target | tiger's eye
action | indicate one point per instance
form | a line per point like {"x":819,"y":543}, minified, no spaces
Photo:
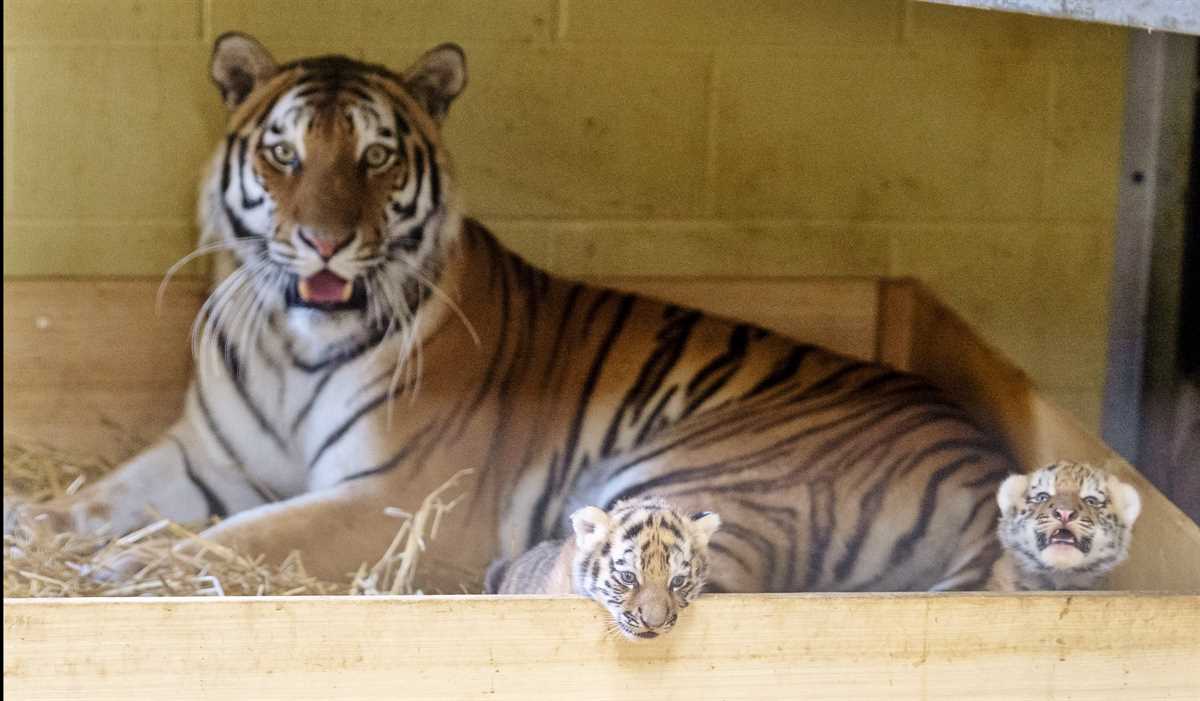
{"x":677,"y":581}
{"x":376,"y":155}
{"x":1092,"y":501}
{"x":1040,"y":497}
{"x":627,"y":577}
{"x":283,"y":153}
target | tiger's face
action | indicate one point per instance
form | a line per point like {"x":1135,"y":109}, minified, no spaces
{"x":1067,"y":519}
{"x":642,"y":561}
{"x":331,"y":188}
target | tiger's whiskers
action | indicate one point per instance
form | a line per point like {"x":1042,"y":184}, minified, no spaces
{"x":178,"y":265}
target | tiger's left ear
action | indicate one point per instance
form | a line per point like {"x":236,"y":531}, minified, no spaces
{"x":591,"y":524}
{"x":437,"y":78}
{"x":240,"y":64}
{"x":706,"y":523}
{"x":1126,"y":499}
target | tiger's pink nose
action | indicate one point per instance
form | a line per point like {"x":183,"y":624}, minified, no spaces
{"x":325,"y":247}
{"x":1064,"y":515}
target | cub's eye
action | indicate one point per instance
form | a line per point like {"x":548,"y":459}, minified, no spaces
{"x":627,"y":577}
{"x":1093,"y":501}
{"x":377,"y":155}
{"x":283,"y":153}
{"x":677,"y":581}
{"x":1040,"y":497}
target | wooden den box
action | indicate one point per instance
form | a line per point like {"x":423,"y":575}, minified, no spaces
{"x":76,"y":349}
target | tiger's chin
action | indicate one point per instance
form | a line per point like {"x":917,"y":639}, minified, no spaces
{"x":1061,"y":557}
{"x":639,"y":634}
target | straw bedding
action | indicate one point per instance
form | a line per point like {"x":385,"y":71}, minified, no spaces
{"x":41,"y":563}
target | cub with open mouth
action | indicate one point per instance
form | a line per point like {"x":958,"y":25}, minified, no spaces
{"x":1065,"y":526}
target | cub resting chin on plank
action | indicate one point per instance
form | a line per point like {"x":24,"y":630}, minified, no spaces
{"x":1065,"y":526}
{"x":643,"y":561}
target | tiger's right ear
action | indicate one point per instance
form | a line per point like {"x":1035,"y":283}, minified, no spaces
{"x":240,"y":64}
{"x":1012,"y":491}
{"x":591,"y":524}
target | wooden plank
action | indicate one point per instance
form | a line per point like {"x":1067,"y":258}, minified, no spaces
{"x":729,"y":647}
{"x":941,"y":346}
{"x":77,"y":350}
{"x":838,"y":313}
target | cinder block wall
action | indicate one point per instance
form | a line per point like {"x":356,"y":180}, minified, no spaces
{"x":976,"y":150}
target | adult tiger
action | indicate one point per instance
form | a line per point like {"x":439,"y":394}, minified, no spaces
{"x":366,"y":341}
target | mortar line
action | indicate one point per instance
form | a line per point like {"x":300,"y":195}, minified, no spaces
{"x":560,"y":30}
{"x":710,"y":134}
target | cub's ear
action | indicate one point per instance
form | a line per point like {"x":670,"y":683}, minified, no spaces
{"x":1012,"y":492}
{"x":591,"y":524}
{"x":240,"y":64}
{"x":1126,"y":500}
{"x":437,"y":78}
{"x":706,"y":523}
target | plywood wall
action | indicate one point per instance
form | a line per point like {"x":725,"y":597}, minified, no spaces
{"x":975,"y":150}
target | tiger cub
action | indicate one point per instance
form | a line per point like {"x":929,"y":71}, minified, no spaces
{"x":1065,"y":526}
{"x":643,"y":561}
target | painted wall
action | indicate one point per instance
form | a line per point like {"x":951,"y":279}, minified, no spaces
{"x":976,"y":150}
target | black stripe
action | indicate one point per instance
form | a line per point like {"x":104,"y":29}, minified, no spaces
{"x":247,"y":203}
{"x":406,"y":450}
{"x":671,"y":341}
{"x":338,"y":433}
{"x":212,"y":502}
{"x":402,"y":123}
{"x":213,"y":428}
{"x":312,"y":400}
{"x":561,"y":470}
{"x":713,"y":376}
{"x":783,"y":371}
{"x":342,"y":356}
{"x":904,"y":546}
{"x":233,"y":366}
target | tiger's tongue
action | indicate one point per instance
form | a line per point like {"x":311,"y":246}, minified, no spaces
{"x":325,"y":287}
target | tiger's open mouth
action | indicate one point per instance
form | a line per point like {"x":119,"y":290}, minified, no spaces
{"x":327,"y":291}
{"x":1063,"y":537}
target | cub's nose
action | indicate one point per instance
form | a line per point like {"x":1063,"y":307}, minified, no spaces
{"x":653,"y":614}
{"x":1064,"y":515}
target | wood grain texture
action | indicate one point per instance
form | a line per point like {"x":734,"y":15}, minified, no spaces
{"x":79,"y":351}
{"x":725,"y":647}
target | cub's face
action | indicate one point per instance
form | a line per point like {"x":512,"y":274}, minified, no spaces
{"x":642,"y":561}
{"x":1067,"y":518}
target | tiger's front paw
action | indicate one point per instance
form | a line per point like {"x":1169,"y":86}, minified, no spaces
{"x":22,"y":514}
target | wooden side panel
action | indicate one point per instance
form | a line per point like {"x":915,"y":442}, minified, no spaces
{"x":920,"y":334}
{"x":79,"y":351}
{"x":1003,"y":648}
